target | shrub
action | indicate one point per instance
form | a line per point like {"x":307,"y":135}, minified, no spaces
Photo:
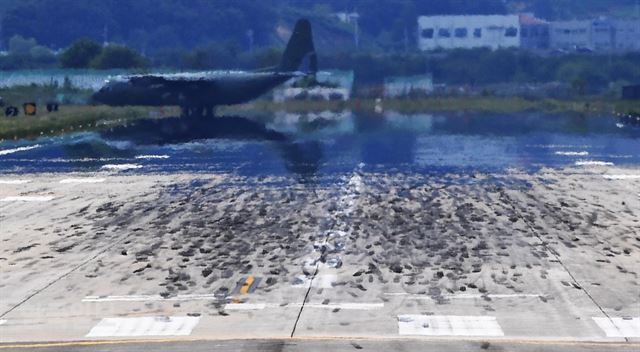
{"x":80,"y":54}
{"x":117,"y":56}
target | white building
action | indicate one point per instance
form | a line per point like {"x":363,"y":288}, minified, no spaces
{"x":571,"y":34}
{"x":598,"y":35}
{"x":627,"y":35}
{"x":452,"y":32}
{"x":406,"y":86}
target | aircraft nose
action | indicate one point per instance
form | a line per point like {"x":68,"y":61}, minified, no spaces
{"x":101,"y":96}
{"x":95,"y":98}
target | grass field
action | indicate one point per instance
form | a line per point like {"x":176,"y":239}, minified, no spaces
{"x":42,"y":94}
{"x":451,"y":104}
{"x":75,"y":118}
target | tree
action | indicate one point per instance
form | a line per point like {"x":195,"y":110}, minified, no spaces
{"x":544,"y":9}
{"x":19,"y":45}
{"x":267,"y":57}
{"x":80,"y":54}
{"x":42,"y":54}
{"x":198,"y":59}
{"x":118,"y":56}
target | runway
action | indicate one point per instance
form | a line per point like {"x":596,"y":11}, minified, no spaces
{"x":359,"y":257}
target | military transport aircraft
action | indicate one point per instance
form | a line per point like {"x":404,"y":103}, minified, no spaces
{"x":198,"y":93}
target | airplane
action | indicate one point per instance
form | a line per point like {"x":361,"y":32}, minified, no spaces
{"x":198,"y":93}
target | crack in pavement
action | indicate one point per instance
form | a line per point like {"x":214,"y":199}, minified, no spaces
{"x":323,"y":253}
{"x":557,"y":257}
{"x":85,"y":262}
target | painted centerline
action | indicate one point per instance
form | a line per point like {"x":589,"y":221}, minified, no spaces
{"x":120,"y":167}
{"x":14,"y":182}
{"x":320,"y":281}
{"x":151,"y":298}
{"x":83,"y":180}
{"x":19,"y":149}
{"x":465,"y":296}
{"x":583,"y":153}
{"x":593,"y":163}
{"x":344,"y":306}
{"x":621,"y":177}
{"x":152,"y":157}
{"x":26,"y":199}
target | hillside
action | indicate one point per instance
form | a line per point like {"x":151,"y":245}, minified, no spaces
{"x":152,"y":26}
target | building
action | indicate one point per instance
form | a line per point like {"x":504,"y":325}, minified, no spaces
{"x":602,"y":35}
{"x":596,"y":35}
{"x":453,"y":32}
{"x":408,"y":86}
{"x":627,"y":35}
{"x":570,"y":34}
{"x":534,"y":33}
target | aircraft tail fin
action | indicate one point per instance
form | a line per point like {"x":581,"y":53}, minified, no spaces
{"x":300,"y":54}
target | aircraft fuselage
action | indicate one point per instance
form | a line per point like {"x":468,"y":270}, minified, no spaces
{"x":205,"y":91}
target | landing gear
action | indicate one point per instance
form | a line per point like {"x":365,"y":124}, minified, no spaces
{"x":197,"y":111}
{"x":11,"y":111}
{"x":209,"y":111}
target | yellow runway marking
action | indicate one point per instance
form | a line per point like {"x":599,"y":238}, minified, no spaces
{"x":247,"y":284}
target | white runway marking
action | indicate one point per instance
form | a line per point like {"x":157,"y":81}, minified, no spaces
{"x":145,"y":326}
{"x":249,"y":306}
{"x":619,"y":327}
{"x":593,"y":163}
{"x":621,"y":177}
{"x":448,"y":325}
{"x":20,"y":149}
{"x":2,"y":321}
{"x":150,"y":298}
{"x":120,"y":167}
{"x":466,"y":295}
{"x":152,"y":157}
{"x":83,"y":180}
{"x":320,"y":281}
{"x":345,"y":306}
{"x":14,"y":182}
{"x":572,"y":153}
{"x":26,"y":199}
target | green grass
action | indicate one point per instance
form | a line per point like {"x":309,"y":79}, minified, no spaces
{"x":446,"y":104}
{"x":75,"y":118}
{"x":42,"y":94}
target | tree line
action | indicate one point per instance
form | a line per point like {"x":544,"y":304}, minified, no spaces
{"x":586,"y":72}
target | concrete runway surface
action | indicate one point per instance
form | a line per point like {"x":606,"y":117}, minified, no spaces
{"x":377,"y":261}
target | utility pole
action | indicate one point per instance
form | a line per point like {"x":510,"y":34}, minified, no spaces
{"x":406,"y":39}
{"x":105,"y":35}
{"x":356,"y":29}
{"x":250,"y":38}
{"x":637,"y":21}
